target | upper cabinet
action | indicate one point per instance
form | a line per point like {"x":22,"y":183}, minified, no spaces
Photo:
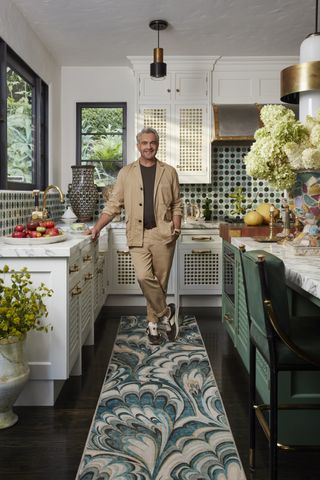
{"x":179,"y":87}
{"x":248,"y":80}
{"x":179,"y":108}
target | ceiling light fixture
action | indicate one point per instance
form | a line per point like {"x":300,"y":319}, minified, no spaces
{"x":158,"y":69}
{"x":301,"y":83}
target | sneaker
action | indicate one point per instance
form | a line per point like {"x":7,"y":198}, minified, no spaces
{"x":170,"y":324}
{"x":154,"y":339}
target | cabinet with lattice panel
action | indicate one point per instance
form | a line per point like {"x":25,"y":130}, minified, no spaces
{"x":199,"y":263}
{"x":179,"y":108}
{"x":122,"y":278}
{"x":184,"y":138}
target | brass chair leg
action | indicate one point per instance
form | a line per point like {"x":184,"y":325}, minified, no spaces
{"x":252,"y":401}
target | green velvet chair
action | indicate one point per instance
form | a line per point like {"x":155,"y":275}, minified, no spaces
{"x":286,"y":343}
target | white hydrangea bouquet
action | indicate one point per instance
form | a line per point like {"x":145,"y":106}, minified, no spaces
{"x":283,"y":146}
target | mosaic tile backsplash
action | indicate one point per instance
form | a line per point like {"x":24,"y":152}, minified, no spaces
{"x":228,"y":173}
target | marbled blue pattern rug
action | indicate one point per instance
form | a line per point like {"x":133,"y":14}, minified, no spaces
{"x":160,"y":414}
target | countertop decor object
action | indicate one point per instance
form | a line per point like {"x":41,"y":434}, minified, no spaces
{"x":22,"y":308}
{"x":83,"y":192}
{"x":35,"y":241}
{"x":69,"y":216}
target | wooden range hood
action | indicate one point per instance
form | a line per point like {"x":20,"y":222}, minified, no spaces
{"x":238,"y":122}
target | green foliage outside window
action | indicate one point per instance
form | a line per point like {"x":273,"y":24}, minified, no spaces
{"x":20,"y":143}
{"x":102,"y":133}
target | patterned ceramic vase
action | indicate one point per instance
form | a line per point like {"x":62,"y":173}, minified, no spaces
{"x":83,"y":193}
{"x":14,"y":373}
{"x":304,"y":197}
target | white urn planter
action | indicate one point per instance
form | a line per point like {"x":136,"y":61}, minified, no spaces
{"x":14,"y":373}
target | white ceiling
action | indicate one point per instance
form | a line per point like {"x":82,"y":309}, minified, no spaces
{"x":105,"y":32}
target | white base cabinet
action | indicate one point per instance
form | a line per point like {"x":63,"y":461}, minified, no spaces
{"x":69,"y":269}
{"x":196,"y":268}
{"x":199,"y":263}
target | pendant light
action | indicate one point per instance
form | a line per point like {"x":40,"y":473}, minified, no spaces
{"x":300,"y":84}
{"x":158,"y":69}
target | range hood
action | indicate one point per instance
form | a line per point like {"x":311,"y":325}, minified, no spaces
{"x":238,"y":122}
{"x":235,"y":122}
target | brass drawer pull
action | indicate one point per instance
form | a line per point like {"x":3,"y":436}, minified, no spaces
{"x":87,"y":258}
{"x":74,"y":268}
{"x":88,"y":276}
{"x":201,"y":239}
{"x":123,"y":252}
{"x":201,"y":251}
{"x":227,"y":318}
{"x":76,"y":291}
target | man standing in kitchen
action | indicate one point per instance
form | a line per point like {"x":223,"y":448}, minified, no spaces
{"x":149,"y":192}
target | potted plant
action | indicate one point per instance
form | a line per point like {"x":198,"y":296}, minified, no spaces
{"x":22,"y":308}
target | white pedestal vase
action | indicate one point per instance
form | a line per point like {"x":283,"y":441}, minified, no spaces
{"x":14,"y":373}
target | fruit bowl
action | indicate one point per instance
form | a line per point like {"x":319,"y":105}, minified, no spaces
{"x":35,"y":241}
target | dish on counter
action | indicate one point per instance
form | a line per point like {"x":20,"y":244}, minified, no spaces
{"x":35,"y":241}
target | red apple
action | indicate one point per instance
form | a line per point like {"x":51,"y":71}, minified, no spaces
{"x":53,"y":232}
{"x":32,"y":225}
{"x":35,"y":234}
{"x":16,"y":234}
{"x":19,"y":228}
{"x":49,"y":224}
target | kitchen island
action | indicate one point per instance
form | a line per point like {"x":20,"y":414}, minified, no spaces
{"x":303,"y":280}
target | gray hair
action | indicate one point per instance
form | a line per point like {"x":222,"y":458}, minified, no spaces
{"x":148,"y":130}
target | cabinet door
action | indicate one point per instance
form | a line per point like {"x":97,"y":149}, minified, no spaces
{"x":200,"y":267}
{"x":154,"y":91}
{"x":159,"y":118}
{"x":122,"y":275}
{"x":192,"y":144}
{"x":191,"y":87}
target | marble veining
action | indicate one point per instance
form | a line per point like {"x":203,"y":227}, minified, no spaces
{"x":301,"y":271}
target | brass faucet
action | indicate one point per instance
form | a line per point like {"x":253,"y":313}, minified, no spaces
{"x":44,"y":204}
{"x":43,"y":214}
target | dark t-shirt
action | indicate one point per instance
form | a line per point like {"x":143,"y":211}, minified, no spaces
{"x":148,"y":176}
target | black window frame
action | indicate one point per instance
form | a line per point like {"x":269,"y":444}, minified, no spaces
{"x":79,"y":107}
{"x":8,"y":58}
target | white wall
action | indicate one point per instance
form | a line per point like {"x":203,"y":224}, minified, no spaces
{"x":17,"y":33}
{"x":92,"y":84}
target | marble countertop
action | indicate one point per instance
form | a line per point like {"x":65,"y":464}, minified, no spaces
{"x":76,"y":241}
{"x":303,"y":271}
{"x":184,"y":226}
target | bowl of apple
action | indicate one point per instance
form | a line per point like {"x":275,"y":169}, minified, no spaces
{"x":36,"y":233}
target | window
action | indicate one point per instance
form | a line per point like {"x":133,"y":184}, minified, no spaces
{"x":102,"y":139}
{"x":23,"y":124}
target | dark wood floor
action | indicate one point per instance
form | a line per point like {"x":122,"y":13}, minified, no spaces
{"x":47,"y":442}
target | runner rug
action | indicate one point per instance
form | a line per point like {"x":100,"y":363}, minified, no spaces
{"x":160,"y":415}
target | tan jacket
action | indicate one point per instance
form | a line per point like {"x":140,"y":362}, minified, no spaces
{"x":128,"y":193}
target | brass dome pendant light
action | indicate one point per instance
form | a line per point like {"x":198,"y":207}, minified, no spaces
{"x":300,"y":84}
{"x":158,"y":69}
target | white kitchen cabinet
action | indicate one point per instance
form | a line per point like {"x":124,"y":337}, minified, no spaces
{"x":88,"y":253}
{"x":179,"y":108}
{"x":199,"y":263}
{"x":183,"y":87}
{"x":68,"y":269}
{"x":184,"y":132}
{"x":122,"y":277}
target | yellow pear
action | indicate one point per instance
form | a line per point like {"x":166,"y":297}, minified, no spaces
{"x":264,"y":210}
{"x":253,"y":218}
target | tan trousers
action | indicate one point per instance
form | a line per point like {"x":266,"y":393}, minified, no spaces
{"x":152,"y":263}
